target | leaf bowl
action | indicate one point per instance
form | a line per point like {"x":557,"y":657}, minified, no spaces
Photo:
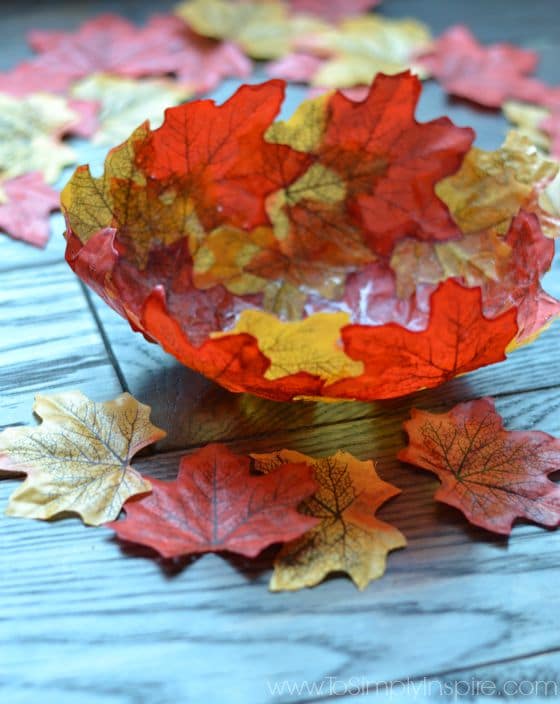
{"x":349,"y":252}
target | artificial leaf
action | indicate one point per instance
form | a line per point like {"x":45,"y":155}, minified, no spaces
{"x":486,"y":75}
{"x":264,"y":30}
{"x":312,"y":344}
{"x":30,"y":132}
{"x":110,"y":44}
{"x":527,"y":118}
{"x":25,"y":208}
{"x":359,"y":49}
{"x":391,"y":193}
{"x":332,"y":10}
{"x":397,"y":361}
{"x":349,"y":537}
{"x":258,"y":253}
{"x":125,"y":103}
{"x":78,"y":459}
{"x":492,"y":475}
{"x":551,"y":126}
{"x":215,"y":504}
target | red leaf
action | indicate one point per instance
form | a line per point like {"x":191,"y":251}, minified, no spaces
{"x":25,"y":216}
{"x":391,"y":186}
{"x":215,"y":504}
{"x":485,"y":75}
{"x":332,"y":10}
{"x":111,"y":44}
{"x":492,"y":475}
{"x":397,"y":361}
{"x":220,"y":154}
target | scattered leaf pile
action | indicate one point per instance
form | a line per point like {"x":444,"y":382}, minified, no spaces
{"x":349,"y":252}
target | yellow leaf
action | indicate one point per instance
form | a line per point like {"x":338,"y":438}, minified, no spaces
{"x":224,"y":254}
{"x":127,"y":103}
{"x":29,"y":135}
{"x":147,"y":213}
{"x":78,"y":459}
{"x":361,"y":47}
{"x":549,"y":208}
{"x":264,"y":30}
{"x":311,"y":345}
{"x":349,"y":537}
{"x":490,"y":187}
{"x":527,"y":118}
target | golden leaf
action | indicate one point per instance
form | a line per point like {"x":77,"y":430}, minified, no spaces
{"x":147,"y":213}
{"x":349,"y":538}
{"x":78,"y":459}
{"x":311,"y":345}
{"x":264,"y":30}
{"x":223,"y":255}
{"x":126,"y":103}
{"x":361,"y":47}
{"x":527,"y":118}
{"x":491,"y":187}
{"x":29,"y":135}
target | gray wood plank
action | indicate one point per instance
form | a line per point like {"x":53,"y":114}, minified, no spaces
{"x":49,"y":340}
{"x":154,"y":631}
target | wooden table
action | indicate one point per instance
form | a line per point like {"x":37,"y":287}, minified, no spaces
{"x":84,"y":621}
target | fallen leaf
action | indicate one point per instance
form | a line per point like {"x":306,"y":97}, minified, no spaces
{"x":215,"y":505}
{"x":551,"y":126}
{"x":78,"y":460}
{"x":527,"y":118}
{"x":397,"y":361}
{"x":359,"y":49}
{"x":486,"y":75}
{"x":29,"y":135}
{"x":25,"y":209}
{"x":263,"y":30}
{"x":349,"y":537}
{"x":125,"y":103}
{"x":332,"y":10}
{"x":492,"y":475}
{"x":110,"y":44}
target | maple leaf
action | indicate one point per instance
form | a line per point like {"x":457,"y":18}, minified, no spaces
{"x":111,"y":44}
{"x":492,"y":475}
{"x":527,"y":118}
{"x":29,"y":134}
{"x":485,"y":75}
{"x":332,"y":10}
{"x":551,"y":126}
{"x":359,"y":49}
{"x":125,"y":103}
{"x":310,"y":345}
{"x":349,"y":537}
{"x":390,"y":191}
{"x":397,"y":361}
{"x":216,"y":505}
{"x":262,"y":30}
{"x":24,"y":212}
{"x":78,"y":459}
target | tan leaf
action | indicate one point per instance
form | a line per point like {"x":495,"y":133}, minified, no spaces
{"x":127,"y":103}
{"x":311,"y":345}
{"x":264,"y":30}
{"x":78,"y":459}
{"x":29,"y":135}
{"x":361,"y":47}
{"x":527,"y":118}
{"x":349,"y":537}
